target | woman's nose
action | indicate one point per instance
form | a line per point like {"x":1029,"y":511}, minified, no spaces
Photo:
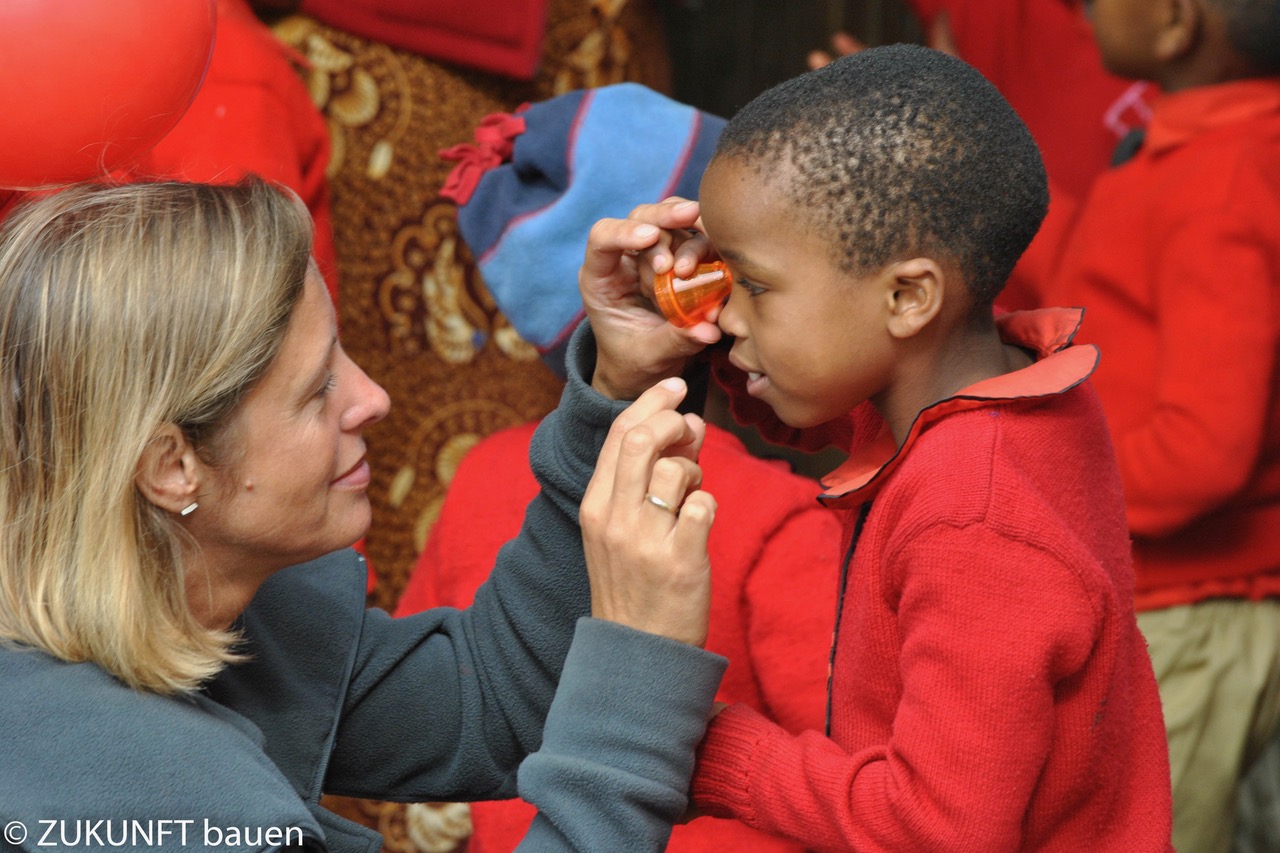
{"x":371,"y":403}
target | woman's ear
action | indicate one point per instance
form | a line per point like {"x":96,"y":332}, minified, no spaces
{"x":169,"y":471}
{"x":914,"y":292}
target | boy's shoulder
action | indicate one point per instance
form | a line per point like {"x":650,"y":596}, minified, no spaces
{"x":1039,"y":470}
{"x":973,"y":449}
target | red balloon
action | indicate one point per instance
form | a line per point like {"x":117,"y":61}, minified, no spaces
{"x":89,"y":86}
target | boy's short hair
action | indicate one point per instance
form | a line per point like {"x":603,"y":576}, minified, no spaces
{"x":902,"y":151}
{"x":1253,"y":28}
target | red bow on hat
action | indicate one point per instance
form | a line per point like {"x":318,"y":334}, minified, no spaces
{"x":495,"y":140}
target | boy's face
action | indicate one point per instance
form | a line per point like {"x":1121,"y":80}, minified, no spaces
{"x":1125,"y":32}
{"x":811,"y":337}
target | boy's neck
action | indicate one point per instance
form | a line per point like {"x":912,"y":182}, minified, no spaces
{"x":1208,"y":58}
{"x":934,"y":370}
{"x":1205,"y":70}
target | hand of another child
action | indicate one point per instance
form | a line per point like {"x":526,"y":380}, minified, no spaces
{"x":645,"y":524}
{"x":939,"y":37}
{"x":842,"y":44}
{"x":635,"y":345}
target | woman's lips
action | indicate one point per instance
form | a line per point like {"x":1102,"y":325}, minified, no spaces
{"x":355,"y":477}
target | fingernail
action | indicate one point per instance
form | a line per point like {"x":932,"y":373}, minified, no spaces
{"x":685,"y":205}
{"x":646,"y":231}
{"x":673,"y":383}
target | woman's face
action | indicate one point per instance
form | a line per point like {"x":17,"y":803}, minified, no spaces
{"x":295,"y":479}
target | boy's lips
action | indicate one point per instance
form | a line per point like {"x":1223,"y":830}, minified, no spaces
{"x":756,"y":381}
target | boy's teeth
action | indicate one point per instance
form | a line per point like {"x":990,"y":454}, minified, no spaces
{"x":754,"y":376}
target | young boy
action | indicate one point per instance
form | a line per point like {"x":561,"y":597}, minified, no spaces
{"x":989,"y":687}
{"x":1176,"y":255}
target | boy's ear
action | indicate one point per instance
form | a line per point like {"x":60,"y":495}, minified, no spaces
{"x":169,"y":472}
{"x":914,"y":294}
{"x":1181,"y":29}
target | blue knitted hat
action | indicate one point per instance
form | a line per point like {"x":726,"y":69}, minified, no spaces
{"x":535,"y":182}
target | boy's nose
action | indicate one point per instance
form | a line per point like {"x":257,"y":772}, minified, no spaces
{"x":730,"y":320}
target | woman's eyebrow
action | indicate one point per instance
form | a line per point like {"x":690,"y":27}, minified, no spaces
{"x":321,"y":371}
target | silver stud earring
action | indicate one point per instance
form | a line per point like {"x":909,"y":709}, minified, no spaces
{"x":189,"y":508}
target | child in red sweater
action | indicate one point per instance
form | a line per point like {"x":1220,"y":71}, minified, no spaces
{"x":990,"y":689}
{"x":1176,"y":256}
{"x":771,"y":596}
{"x":1040,"y":54}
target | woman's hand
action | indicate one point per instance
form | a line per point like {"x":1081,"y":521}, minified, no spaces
{"x":635,"y":345}
{"x":645,"y":524}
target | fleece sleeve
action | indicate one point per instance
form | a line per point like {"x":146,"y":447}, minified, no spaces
{"x":613,"y":771}
{"x":970,"y":731}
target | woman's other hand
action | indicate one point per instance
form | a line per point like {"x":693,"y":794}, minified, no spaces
{"x":645,"y":523}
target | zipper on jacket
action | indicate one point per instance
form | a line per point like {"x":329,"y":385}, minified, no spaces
{"x":844,"y":582}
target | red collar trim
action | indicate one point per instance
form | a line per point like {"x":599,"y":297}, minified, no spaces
{"x":1059,"y":367}
{"x":1180,"y":116}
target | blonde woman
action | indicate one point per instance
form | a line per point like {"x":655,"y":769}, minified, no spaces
{"x":185,"y":656}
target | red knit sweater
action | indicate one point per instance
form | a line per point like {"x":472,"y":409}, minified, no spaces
{"x":990,"y":689}
{"x":773,"y":598}
{"x":1176,"y":258}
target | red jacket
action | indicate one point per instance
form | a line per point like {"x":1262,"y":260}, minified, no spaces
{"x":772,"y":548}
{"x":990,"y":688}
{"x":1176,"y":257}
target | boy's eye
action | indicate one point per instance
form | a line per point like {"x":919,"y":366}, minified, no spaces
{"x":750,"y":286}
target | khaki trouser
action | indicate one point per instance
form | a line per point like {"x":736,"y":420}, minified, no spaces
{"x":1218,"y":664}
{"x":1258,"y":817}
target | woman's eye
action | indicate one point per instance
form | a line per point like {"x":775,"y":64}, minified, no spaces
{"x":330,"y":381}
{"x":751,"y":287}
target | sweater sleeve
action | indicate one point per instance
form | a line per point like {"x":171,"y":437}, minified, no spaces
{"x":445,"y":704}
{"x":982,"y":648}
{"x":1216,"y":304}
{"x":613,"y":771}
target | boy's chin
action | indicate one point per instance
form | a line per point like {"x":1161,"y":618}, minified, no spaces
{"x":798,"y":419}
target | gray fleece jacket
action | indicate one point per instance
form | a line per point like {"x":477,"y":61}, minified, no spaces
{"x":444,"y":705}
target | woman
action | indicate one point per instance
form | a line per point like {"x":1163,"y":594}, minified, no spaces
{"x":186,"y":659}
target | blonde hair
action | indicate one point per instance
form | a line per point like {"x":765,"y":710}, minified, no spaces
{"x":122,"y":310}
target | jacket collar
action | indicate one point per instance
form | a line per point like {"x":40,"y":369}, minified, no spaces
{"x":1059,"y":367}
{"x":1180,"y":116}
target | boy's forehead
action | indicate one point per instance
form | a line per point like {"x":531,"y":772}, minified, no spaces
{"x":756,"y":222}
{"x":759,"y":176}
{"x":751,"y":187}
